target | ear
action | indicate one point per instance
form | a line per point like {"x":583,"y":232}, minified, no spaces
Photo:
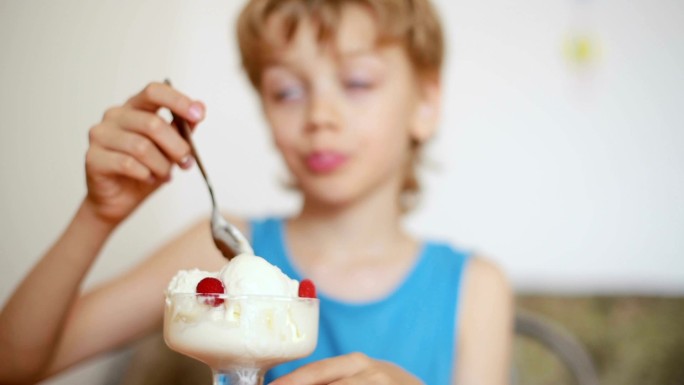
{"x":428,"y":110}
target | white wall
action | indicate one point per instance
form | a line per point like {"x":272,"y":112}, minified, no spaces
{"x":572,"y":179}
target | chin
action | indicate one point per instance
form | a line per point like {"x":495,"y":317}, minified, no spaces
{"x":329,"y":194}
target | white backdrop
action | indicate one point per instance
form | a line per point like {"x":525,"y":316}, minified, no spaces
{"x":572,"y":179}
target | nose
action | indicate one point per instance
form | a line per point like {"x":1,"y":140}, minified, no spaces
{"x":323,"y":111}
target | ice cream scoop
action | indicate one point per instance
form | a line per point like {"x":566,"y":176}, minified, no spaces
{"x":241,"y":320}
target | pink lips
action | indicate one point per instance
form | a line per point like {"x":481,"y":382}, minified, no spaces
{"x":325,"y":161}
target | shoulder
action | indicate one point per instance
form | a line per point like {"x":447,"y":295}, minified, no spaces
{"x":487,"y":298}
{"x":485,"y":287}
{"x":200,"y":228}
{"x":486,"y":325}
{"x":485,"y":278}
{"x":193,"y":246}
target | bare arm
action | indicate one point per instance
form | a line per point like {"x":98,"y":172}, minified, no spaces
{"x":110,"y":316}
{"x":131,"y":154}
{"x":486,"y":328}
{"x":31,"y":321}
{"x":131,"y":306}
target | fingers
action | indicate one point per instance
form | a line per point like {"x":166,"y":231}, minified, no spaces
{"x":157,"y":95}
{"x":103,"y":162}
{"x":136,"y":146}
{"x":326,"y":371}
{"x":133,"y":141}
{"x":148,"y":126}
{"x":350,"y":369}
{"x":380,"y":374}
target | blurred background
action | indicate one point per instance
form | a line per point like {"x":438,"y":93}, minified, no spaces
{"x":560,"y":155}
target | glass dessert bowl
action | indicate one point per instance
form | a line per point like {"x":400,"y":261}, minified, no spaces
{"x":240,"y":337}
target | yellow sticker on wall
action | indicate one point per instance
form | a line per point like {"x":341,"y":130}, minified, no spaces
{"x":581,"y":49}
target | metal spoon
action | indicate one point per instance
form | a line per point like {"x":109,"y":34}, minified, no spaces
{"x":228,"y":239}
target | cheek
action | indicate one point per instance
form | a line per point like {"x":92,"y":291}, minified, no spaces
{"x":287,"y":149}
{"x":386,"y":135}
{"x":285,"y":124}
{"x":384,"y":144}
{"x":284,"y":141}
{"x":385,"y":122}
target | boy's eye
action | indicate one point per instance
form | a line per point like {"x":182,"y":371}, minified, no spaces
{"x":358,"y":84}
{"x":289,"y":93}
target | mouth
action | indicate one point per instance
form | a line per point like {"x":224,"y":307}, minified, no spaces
{"x":323,"y":162}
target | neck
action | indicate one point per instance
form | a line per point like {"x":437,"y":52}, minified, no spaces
{"x":363,"y":227}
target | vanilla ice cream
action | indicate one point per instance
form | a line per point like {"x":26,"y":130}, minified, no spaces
{"x":251,"y":275}
{"x":261,"y":322}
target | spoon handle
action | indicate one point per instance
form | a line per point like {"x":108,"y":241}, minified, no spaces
{"x":184,"y":129}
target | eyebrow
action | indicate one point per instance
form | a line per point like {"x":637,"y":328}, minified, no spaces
{"x":342,"y":56}
{"x":352,"y":54}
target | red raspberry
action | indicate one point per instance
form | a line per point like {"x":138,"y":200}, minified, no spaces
{"x":210,"y":287}
{"x":307,"y":289}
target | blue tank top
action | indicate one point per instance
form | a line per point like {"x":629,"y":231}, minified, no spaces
{"x":413,"y":327}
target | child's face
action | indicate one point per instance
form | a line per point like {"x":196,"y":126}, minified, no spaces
{"x":343,"y":113}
